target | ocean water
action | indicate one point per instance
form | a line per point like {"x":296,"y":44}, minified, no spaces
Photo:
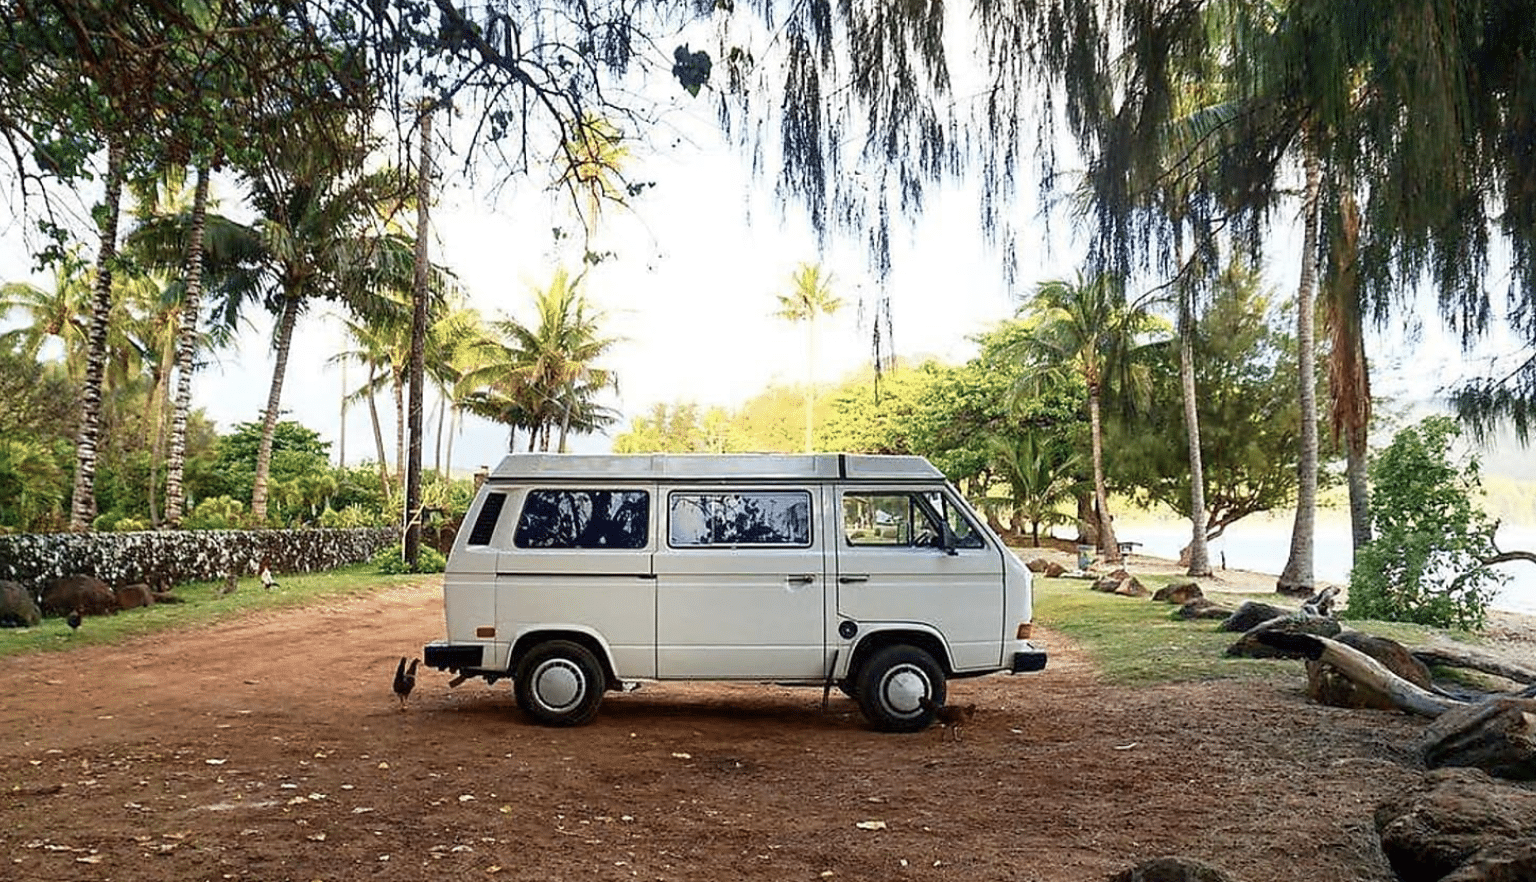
{"x":1264,"y":546}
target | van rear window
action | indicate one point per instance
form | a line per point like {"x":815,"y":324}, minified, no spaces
{"x":752,"y":518}
{"x":485,"y":522}
{"x":584,"y":519}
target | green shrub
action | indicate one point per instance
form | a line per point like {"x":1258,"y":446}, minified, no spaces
{"x":391,"y":561}
{"x":1426,"y":562}
{"x":218,"y":513}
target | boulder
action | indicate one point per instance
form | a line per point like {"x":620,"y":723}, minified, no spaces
{"x":88,"y":594}
{"x":1053,"y":570}
{"x":1459,"y":819}
{"x":1497,"y":736}
{"x":17,"y":608}
{"x":1327,"y":685}
{"x":1173,"y":869}
{"x":1179,"y":592}
{"x":1251,"y":614}
{"x":1201,"y":608}
{"x":134,"y":596}
{"x":1506,"y":861}
{"x":1037,"y":565}
{"x":1250,"y":646}
{"x":1131,"y":587}
{"x":1107,"y":584}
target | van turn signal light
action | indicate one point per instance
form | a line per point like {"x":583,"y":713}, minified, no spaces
{"x":484,"y":632}
{"x":1024,"y":629}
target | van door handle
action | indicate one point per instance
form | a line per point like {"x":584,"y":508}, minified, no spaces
{"x":802,"y":579}
{"x":850,"y":579}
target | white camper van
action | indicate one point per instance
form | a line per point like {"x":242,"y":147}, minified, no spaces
{"x":573,"y":575}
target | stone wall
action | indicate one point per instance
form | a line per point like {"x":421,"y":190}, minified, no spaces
{"x":170,"y":557}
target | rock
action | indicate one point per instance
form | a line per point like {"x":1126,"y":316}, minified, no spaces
{"x":1326,"y":685}
{"x":1179,"y":592}
{"x":134,"y":596}
{"x":1251,"y":614}
{"x":17,"y":608}
{"x":88,"y":594}
{"x":1037,"y":565}
{"x":1201,"y":608}
{"x":1249,"y":645}
{"x":1053,"y":569}
{"x":1459,"y":819}
{"x":1506,"y":861}
{"x":1497,"y":736}
{"x":1173,"y":869}
{"x":1131,"y":587}
{"x":1107,"y":584}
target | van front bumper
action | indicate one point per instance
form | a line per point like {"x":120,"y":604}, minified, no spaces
{"x":1025,"y":662}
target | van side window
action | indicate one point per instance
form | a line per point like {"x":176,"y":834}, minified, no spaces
{"x":584,"y":519}
{"x":485,"y":522}
{"x":763,"y":517}
{"x":910,"y":520}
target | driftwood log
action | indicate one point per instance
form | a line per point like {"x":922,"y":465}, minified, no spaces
{"x":1364,"y":671}
{"x":1497,"y":735}
{"x":1471,"y":659}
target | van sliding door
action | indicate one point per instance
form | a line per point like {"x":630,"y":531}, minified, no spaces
{"x":740,"y":584}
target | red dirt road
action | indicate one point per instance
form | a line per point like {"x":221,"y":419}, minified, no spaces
{"x":271,"y":749}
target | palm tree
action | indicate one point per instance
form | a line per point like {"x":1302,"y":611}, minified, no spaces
{"x":1039,"y":480}
{"x":1087,"y":327}
{"x":1296,"y":578}
{"x":592,"y":163}
{"x":811,"y":296}
{"x":83,"y":505}
{"x":543,"y":377}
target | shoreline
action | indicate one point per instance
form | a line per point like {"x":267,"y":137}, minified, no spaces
{"x":1509,"y":632}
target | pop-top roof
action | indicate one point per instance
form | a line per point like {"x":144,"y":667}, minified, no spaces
{"x":704,"y":467}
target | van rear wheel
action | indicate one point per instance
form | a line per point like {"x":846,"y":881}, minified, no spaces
{"x":890,"y":684}
{"x":559,"y":683}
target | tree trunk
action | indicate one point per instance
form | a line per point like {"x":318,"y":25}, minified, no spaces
{"x":1349,"y":378}
{"x":83,"y":504}
{"x":378,"y":435}
{"x":1199,"y":556}
{"x":1107,"y":541}
{"x":186,"y":345}
{"x":416,"y":369}
{"x":282,"y":344}
{"x":341,"y":431}
{"x":1296,"y":579}
{"x":1362,"y":670}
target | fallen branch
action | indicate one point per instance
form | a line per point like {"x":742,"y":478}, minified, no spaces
{"x":1474,"y":660}
{"x":1364,"y":671}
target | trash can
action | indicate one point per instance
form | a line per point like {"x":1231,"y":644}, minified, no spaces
{"x":1084,"y":556}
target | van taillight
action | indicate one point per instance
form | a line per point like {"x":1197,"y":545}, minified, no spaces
{"x":1024,"y":629}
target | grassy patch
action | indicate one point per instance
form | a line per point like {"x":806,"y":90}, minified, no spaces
{"x":1137,"y":642}
{"x":203,"y":606}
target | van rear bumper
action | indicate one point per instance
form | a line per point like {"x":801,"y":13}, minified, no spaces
{"x":1023,"y":662}
{"x":453,"y":656}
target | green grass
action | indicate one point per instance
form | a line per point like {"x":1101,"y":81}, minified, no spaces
{"x":202,"y":606}
{"x":1136,"y":642}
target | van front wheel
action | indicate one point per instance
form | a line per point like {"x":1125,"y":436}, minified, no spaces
{"x":891,"y":683}
{"x":559,"y":683}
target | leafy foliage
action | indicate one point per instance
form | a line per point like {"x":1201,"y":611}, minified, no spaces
{"x":1426,"y":564}
{"x":391,"y":561}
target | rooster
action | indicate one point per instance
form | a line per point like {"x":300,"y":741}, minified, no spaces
{"x":405,"y":681}
{"x":955,"y":717}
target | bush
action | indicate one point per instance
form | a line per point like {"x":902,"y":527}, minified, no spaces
{"x":218,"y":513}
{"x":1426,"y":562}
{"x":391,"y":561}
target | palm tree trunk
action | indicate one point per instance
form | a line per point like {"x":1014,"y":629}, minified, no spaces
{"x":1107,"y":541}
{"x":437,"y":447}
{"x":83,"y":504}
{"x":810,"y":381}
{"x":186,"y":344}
{"x":416,"y":368}
{"x":283,"y":343}
{"x":1199,"y":556}
{"x":157,"y":429}
{"x":1296,"y":578}
{"x":1349,"y":379}
{"x":378,"y":435}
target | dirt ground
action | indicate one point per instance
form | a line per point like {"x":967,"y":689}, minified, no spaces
{"x":272,"y":749}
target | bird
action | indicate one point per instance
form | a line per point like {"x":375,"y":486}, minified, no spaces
{"x":73,"y":620}
{"x":267,"y":581}
{"x":405,"y":680}
{"x":955,"y":717}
